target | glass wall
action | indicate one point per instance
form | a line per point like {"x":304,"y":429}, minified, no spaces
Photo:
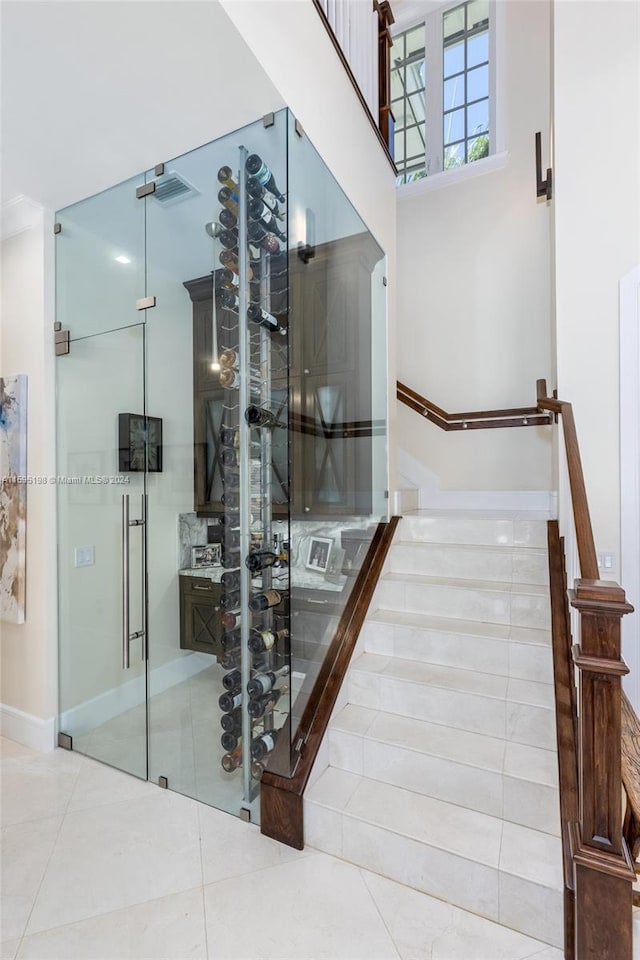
{"x":227,"y":379}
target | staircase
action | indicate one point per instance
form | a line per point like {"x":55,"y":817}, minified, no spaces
{"x":442,"y":767}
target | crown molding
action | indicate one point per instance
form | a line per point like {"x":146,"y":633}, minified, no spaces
{"x":20,"y":214}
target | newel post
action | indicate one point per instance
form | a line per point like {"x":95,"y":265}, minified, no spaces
{"x":602,"y":869}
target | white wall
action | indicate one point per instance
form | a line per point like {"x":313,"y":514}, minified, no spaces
{"x":28,"y":651}
{"x":474,"y":291}
{"x":597,"y":228}
{"x":311,"y":80}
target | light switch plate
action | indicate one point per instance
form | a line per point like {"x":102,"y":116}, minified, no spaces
{"x":84,"y":556}
{"x":606,"y":562}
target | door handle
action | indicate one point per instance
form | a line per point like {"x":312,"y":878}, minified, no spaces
{"x":127,"y":636}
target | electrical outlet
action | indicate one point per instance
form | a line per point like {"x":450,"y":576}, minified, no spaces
{"x":84,"y":556}
{"x":606,"y":562}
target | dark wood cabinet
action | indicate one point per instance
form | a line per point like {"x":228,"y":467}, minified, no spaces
{"x":200,"y":627}
{"x":324,"y":466}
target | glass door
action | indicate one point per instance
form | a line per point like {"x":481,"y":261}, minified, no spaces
{"x":101,"y":499}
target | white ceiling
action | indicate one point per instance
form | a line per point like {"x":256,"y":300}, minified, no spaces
{"x":95,"y":92}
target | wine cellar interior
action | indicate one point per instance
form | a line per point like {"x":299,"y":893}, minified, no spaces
{"x":226,"y":327}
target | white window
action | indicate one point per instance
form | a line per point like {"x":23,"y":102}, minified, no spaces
{"x":442,"y":90}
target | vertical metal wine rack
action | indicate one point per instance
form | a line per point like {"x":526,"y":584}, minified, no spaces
{"x":254,"y":350}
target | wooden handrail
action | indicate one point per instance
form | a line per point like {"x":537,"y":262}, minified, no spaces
{"x":281,"y":797}
{"x":581,"y":516}
{"x":598,"y":868}
{"x":473,"y":420}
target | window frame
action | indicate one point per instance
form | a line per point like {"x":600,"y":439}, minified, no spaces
{"x":434,"y":92}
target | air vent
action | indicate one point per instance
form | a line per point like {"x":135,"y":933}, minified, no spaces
{"x":172,"y":188}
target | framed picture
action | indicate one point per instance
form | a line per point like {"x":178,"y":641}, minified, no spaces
{"x":208,"y":556}
{"x":318,"y":554}
{"x":133,"y":429}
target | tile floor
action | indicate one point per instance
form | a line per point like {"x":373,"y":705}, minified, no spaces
{"x":98,"y":864}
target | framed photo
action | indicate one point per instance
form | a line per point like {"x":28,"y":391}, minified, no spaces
{"x":318,"y":554}
{"x":208,"y":556}
{"x":133,"y":429}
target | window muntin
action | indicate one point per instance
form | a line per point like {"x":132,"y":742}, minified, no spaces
{"x":465,"y":119}
{"x":408,"y":102}
{"x":441,"y":91}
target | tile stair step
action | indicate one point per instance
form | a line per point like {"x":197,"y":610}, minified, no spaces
{"x":486,"y":601}
{"x":519,"y":652}
{"x":501,"y":563}
{"x":500,"y":870}
{"x":487,"y":774}
{"x":516,"y":710}
{"x":490,"y":528}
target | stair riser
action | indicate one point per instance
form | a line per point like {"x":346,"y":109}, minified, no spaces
{"x":476,"y":887}
{"x":504,"y":658}
{"x":487,"y":791}
{"x":501,"y":565}
{"x":486,"y":606}
{"x":522,"y":723}
{"x":481,"y":531}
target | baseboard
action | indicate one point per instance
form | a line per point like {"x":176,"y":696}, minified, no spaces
{"x":24,"y":728}
{"x":91,"y":713}
{"x":430,"y":496}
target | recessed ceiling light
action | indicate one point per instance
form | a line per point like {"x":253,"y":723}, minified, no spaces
{"x":122,"y":259}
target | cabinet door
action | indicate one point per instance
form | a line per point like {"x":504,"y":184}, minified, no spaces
{"x":200,"y":627}
{"x":207,"y":419}
{"x":331,"y":318}
{"x":330,"y":469}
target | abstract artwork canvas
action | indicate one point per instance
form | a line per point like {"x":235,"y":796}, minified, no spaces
{"x":13,"y":497}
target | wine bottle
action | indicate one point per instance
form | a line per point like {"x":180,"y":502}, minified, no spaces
{"x":229,"y":436}
{"x":230,"y":557}
{"x":230,"y":640}
{"x":229,"y":199}
{"x":230,"y":601}
{"x":264,"y":682}
{"x":233,"y":720}
{"x":231,"y":761}
{"x":229,"y":359}
{"x":231,"y":680}
{"x":229,"y":739}
{"x":230,"y":260}
{"x":256,"y":314}
{"x":257,"y":769}
{"x":231,"y":379}
{"x":259,"y":416}
{"x":265,"y":600}
{"x":232,"y":538}
{"x":261,"y":560}
{"x":230,"y":700}
{"x":230,"y":580}
{"x":256,"y":167}
{"x":259,"y":237}
{"x":264,"y":744}
{"x":225,"y":177}
{"x":230,"y":659}
{"x":230,"y":499}
{"x":261,"y":209}
{"x":229,"y":240}
{"x":258,"y":707}
{"x":230,"y":619}
{"x":264,"y":640}
{"x":258,"y":192}
{"x":261,"y":215}
{"x":227,"y":219}
{"x":231,"y":480}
